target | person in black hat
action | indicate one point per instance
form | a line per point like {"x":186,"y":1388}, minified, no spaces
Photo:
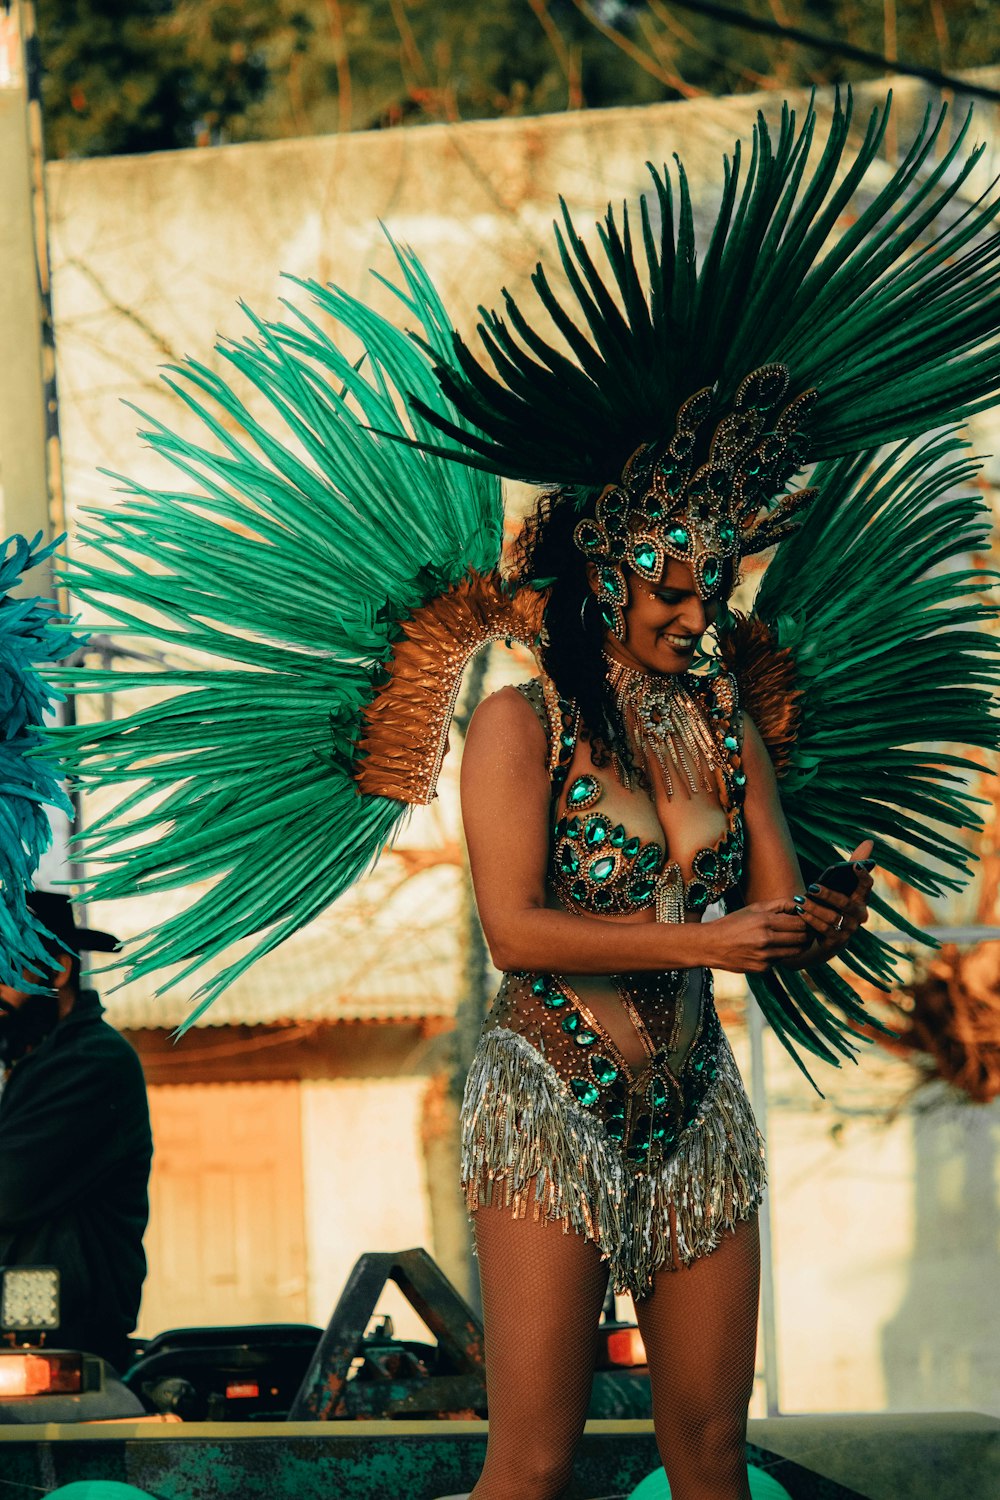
{"x":75,"y":1143}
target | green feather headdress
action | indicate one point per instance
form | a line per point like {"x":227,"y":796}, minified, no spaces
{"x":895,"y":332}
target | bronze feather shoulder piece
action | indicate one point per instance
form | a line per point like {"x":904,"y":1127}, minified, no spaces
{"x":405,"y":734}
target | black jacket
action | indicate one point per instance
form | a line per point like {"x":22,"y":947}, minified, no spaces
{"x":75,"y":1151}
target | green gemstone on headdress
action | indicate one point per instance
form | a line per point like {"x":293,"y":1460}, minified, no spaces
{"x":582,"y":790}
{"x":711,"y":572}
{"x":584,"y":1091}
{"x":727,"y":533}
{"x":731,"y":742}
{"x":653,"y":507}
{"x":570,"y":1023}
{"x":609,"y":616}
{"x":555,"y":1001}
{"x":603,"y":1070}
{"x":540,"y":986}
{"x":583,"y":1037}
{"x":613,"y":583}
{"x":644,"y":556}
{"x":588,"y":537}
{"x":678,"y":536}
{"x":602,"y":869}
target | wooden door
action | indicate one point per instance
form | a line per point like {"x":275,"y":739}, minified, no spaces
{"x":226,"y":1237}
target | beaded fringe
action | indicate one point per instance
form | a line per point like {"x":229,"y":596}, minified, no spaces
{"x":525,"y":1139}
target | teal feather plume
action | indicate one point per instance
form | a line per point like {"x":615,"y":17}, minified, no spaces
{"x":280,"y":568}
{"x":33,"y":635}
{"x":889,"y":626}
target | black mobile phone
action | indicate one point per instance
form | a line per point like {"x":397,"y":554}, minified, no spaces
{"x":842,"y":877}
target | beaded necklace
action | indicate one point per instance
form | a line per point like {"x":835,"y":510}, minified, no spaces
{"x":662,"y":719}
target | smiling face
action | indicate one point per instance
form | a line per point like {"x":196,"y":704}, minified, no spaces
{"x":663,"y":621}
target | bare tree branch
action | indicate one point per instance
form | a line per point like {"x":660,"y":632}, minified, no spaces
{"x":672,"y":80}
{"x":568,"y":57}
{"x":345,"y":100}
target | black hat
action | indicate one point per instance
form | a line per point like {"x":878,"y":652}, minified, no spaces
{"x":56,"y":913}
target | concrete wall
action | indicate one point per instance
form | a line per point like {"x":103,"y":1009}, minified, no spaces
{"x":885,"y":1216}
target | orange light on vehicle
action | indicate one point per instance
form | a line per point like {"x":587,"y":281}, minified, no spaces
{"x":625,"y":1347}
{"x":40,"y":1374}
{"x":242,"y":1390}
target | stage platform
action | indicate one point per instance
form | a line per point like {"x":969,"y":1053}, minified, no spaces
{"x":927,"y":1456}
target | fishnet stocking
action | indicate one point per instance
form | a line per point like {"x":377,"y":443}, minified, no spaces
{"x":542,"y":1297}
{"x":699,"y":1326}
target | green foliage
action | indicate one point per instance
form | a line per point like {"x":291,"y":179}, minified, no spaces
{"x":156,"y":74}
{"x":149,"y":75}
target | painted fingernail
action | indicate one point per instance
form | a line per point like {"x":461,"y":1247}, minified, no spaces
{"x":813,"y":890}
{"x":799,"y":900}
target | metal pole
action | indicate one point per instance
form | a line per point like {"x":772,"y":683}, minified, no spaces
{"x":758,"y":1098}
{"x":23,"y":396}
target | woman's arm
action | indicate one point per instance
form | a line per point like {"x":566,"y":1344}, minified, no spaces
{"x":505,"y":808}
{"x":772,"y":866}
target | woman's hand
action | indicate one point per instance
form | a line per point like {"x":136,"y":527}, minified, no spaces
{"x":757,"y":937}
{"x":832,"y":918}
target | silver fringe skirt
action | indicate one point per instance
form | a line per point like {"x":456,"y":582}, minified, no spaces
{"x":527,"y":1142}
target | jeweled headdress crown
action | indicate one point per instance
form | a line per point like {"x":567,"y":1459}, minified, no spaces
{"x":707,"y":514}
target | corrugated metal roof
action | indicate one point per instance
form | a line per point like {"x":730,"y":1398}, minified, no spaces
{"x":391,"y":948}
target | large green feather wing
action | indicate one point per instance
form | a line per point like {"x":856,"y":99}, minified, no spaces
{"x":276,"y":576}
{"x":887,"y":625}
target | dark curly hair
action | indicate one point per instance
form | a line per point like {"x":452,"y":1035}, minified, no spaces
{"x":573,"y":639}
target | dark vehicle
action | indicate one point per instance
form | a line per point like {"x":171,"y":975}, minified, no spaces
{"x":355,"y":1368}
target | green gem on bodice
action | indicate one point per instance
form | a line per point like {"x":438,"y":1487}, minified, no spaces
{"x":618,"y":836}
{"x":659,"y":1130}
{"x":650,"y":860}
{"x":570,"y":1023}
{"x":614,"y":1127}
{"x":602,"y":899}
{"x":583,"y":789}
{"x":595,"y":832}
{"x":569,"y":860}
{"x":540,"y":986}
{"x":584,"y":1091}
{"x":642,"y":889}
{"x":631,"y":848}
{"x":578,"y":890}
{"x":696,"y":896}
{"x":554,"y":1001}
{"x":740,"y":778}
{"x":572,"y":829}
{"x":583,"y":1037}
{"x":731,"y":742}
{"x":603,"y":1070}
{"x":658,"y":1093}
{"x":602,"y":869}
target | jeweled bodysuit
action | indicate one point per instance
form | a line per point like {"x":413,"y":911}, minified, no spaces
{"x":653,"y":1156}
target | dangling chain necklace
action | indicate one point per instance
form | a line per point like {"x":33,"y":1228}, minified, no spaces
{"x":662,"y":718}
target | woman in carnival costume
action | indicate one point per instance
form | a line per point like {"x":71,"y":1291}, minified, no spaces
{"x":335,"y":577}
